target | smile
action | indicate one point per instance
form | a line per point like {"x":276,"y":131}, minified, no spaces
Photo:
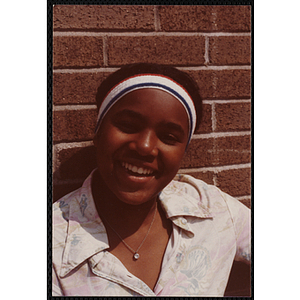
{"x":137,"y":170}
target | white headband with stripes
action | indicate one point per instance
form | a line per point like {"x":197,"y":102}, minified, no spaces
{"x":149,"y":81}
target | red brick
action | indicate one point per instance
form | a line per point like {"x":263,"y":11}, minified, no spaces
{"x":77,"y":51}
{"x":186,"y":18}
{"x":207,"y":152}
{"x":103,"y":17}
{"x":206,"y":123}
{"x":230,"y":50}
{"x":236,"y":182}
{"x":74,"y":125}
{"x":174,"y":50}
{"x":246,"y":202}
{"x":233,"y":116}
{"x":200,"y":153}
{"x":75,"y":162}
{"x":203,"y":18}
{"x":76,"y":88}
{"x":223,"y":84}
{"x":233,"y":150}
{"x":233,"y":18}
{"x":206,"y":176}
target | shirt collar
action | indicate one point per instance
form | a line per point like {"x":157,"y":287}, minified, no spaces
{"x":87,"y":235}
{"x":185,"y":197}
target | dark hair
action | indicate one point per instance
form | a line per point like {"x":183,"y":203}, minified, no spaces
{"x":126,"y":71}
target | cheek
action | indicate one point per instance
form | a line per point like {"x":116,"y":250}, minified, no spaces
{"x":172,"y":160}
{"x":109,"y":141}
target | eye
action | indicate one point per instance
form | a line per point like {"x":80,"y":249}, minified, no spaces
{"x":171,"y":133}
{"x":127,"y":126}
{"x":169,"y":139}
{"x":128,"y":121}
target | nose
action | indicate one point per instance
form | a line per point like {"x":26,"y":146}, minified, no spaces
{"x":145,"y":143}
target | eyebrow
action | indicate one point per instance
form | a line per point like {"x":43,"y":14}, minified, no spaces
{"x":129,"y":113}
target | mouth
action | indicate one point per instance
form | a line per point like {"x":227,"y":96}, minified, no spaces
{"x":137,"y":171}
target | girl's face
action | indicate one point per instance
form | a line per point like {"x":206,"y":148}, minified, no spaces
{"x":140,"y":144}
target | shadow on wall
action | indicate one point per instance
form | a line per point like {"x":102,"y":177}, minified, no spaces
{"x":239,"y":283}
{"x":74,"y":167}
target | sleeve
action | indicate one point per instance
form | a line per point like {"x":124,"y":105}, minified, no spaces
{"x":56,"y":289}
{"x":241,"y":217}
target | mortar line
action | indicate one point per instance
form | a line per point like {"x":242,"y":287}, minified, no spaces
{"x":206,"y":55}
{"x":220,"y":134}
{"x":186,"y":68}
{"x":69,"y":145}
{"x":215,"y":179}
{"x":214,"y":17}
{"x":83,"y":70}
{"x":213,"y":117}
{"x":105,"y":54}
{"x":215,"y":169}
{"x":219,"y":101}
{"x":157,"y":25}
{"x":215,"y":152}
{"x":74,"y":107}
{"x":245,"y":197}
{"x":147,"y":33}
{"x":216,"y":68}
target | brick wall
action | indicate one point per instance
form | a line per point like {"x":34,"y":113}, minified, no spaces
{"x":212,"y":43}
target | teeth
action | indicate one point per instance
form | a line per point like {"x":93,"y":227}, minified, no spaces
{"x":141,"y":171}
{"x":137,"y":170}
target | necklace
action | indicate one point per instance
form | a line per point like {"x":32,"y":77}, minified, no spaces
{"x":136,"y":255}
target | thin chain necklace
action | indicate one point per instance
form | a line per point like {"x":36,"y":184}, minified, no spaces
{"x":136,"y":255}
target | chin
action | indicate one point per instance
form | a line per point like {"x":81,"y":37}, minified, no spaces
{"x":135,"y":198}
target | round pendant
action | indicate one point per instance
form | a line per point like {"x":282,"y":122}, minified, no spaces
{"x":136,"y":255}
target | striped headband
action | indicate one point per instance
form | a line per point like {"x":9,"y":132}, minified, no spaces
{"x":149,"y":81}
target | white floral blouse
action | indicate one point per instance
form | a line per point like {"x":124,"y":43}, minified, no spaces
{"x":210,"y":230}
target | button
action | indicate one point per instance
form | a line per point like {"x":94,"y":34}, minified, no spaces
{"x":183,"y":221}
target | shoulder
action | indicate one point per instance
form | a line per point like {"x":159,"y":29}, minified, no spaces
{"x":63,"y":212}
{"x":196,"y":189}
{"x":201,"y":193}
{"x":61,"y":208}
{"x":73,"y":203}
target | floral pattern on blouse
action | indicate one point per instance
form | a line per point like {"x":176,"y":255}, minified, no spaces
{"x":210,"y":230}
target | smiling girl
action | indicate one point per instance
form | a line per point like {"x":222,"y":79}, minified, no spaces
{"x":135,"y":227}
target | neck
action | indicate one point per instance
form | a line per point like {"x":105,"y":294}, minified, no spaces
{"x":117,"y":212}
